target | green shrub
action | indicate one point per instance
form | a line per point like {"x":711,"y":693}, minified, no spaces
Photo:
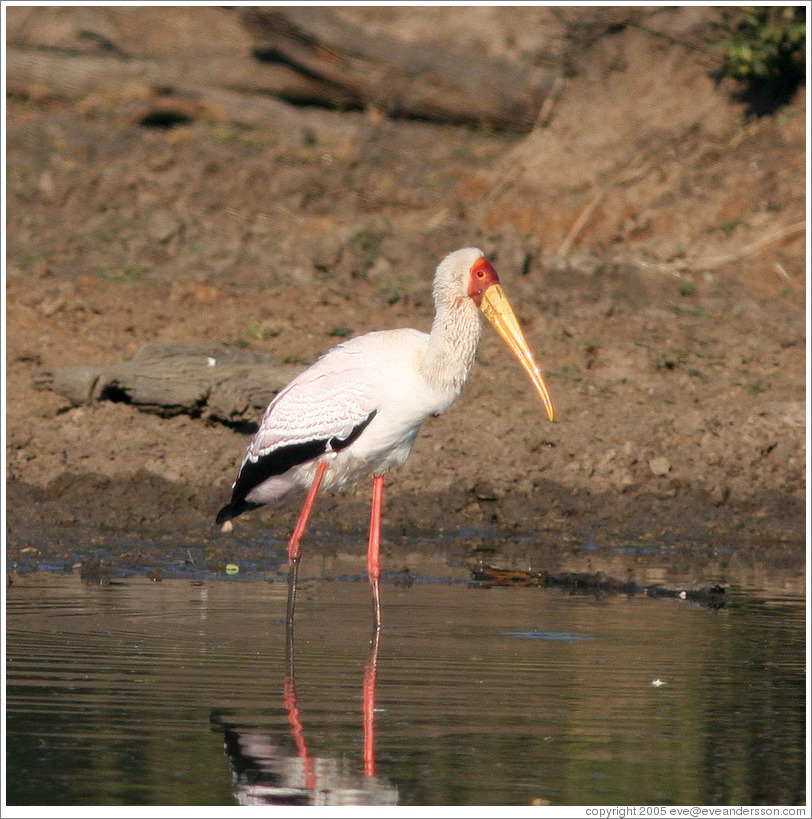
{"x":765,"y":44}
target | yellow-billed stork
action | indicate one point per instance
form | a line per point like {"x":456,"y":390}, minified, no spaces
{"x":356,"y":412}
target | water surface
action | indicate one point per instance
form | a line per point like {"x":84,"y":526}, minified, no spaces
{"x":180,"y":692}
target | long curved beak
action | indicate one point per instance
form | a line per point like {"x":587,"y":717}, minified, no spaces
{"x":497,"y":310}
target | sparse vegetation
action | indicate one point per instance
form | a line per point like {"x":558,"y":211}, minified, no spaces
{"x":730,"y":225}
{"x":125,"y":275}
{"x":365,"y":246}
{"x":764,"y":47}
{"x":756,"y":387}
{"x":766,"y":43}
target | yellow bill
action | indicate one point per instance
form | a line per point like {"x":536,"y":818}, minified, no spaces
{"x":497,"y":310}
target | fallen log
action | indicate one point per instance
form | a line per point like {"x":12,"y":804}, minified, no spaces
{"x":223,"y":90}
{"x":351,"y":69}
{"x":225,"y":384}
{"x":305,"y":56}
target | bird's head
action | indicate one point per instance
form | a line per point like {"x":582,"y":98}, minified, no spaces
{"x":467,"y":273}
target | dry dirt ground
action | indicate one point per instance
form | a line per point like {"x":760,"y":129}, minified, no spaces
{"x":649,"y":230}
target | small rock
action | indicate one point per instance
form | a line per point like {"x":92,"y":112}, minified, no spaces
{"x":719,"y":494}
{"x":47,"y":188}
{"x":162,"y":225}
{"x":327,"y":253}
{"x":50,"y":307}
{"x":623,"y":479}
{"x":605,"y":460}
{"x":380,"y":267}
{"x":659,"y":466}
{"x":484,"y":491}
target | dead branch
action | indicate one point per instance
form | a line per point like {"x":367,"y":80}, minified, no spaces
{"x":758,"y":245}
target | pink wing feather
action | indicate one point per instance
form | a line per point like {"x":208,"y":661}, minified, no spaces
{"x":327,"y":400}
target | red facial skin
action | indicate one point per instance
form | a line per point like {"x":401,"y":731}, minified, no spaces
{"x":482,"y":277}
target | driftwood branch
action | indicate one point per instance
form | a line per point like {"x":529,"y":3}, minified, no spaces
{"x":225,"y":384}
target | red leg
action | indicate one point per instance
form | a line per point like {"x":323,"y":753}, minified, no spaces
{"x":374,"y":550}
{"x":294,"y":550}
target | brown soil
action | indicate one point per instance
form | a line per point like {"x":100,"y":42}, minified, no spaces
{"x":649,"y":230}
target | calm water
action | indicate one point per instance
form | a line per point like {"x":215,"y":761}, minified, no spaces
{"x":180,"y":693}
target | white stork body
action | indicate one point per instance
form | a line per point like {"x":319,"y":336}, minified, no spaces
{"x":357,"y":411}
{"x":373,"y":381}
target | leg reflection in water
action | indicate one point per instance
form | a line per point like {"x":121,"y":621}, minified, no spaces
{"x":291,"y":706}
{"x":370,"y":685}
{"x":265,"y":773}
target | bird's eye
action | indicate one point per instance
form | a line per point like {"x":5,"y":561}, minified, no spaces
{"x":480,"y":274}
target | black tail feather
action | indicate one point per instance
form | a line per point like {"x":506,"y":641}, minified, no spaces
{"x":231,"y":510}
{"x":255,"y":472}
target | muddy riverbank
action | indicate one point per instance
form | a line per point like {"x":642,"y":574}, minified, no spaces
{"x":649,"y":230}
